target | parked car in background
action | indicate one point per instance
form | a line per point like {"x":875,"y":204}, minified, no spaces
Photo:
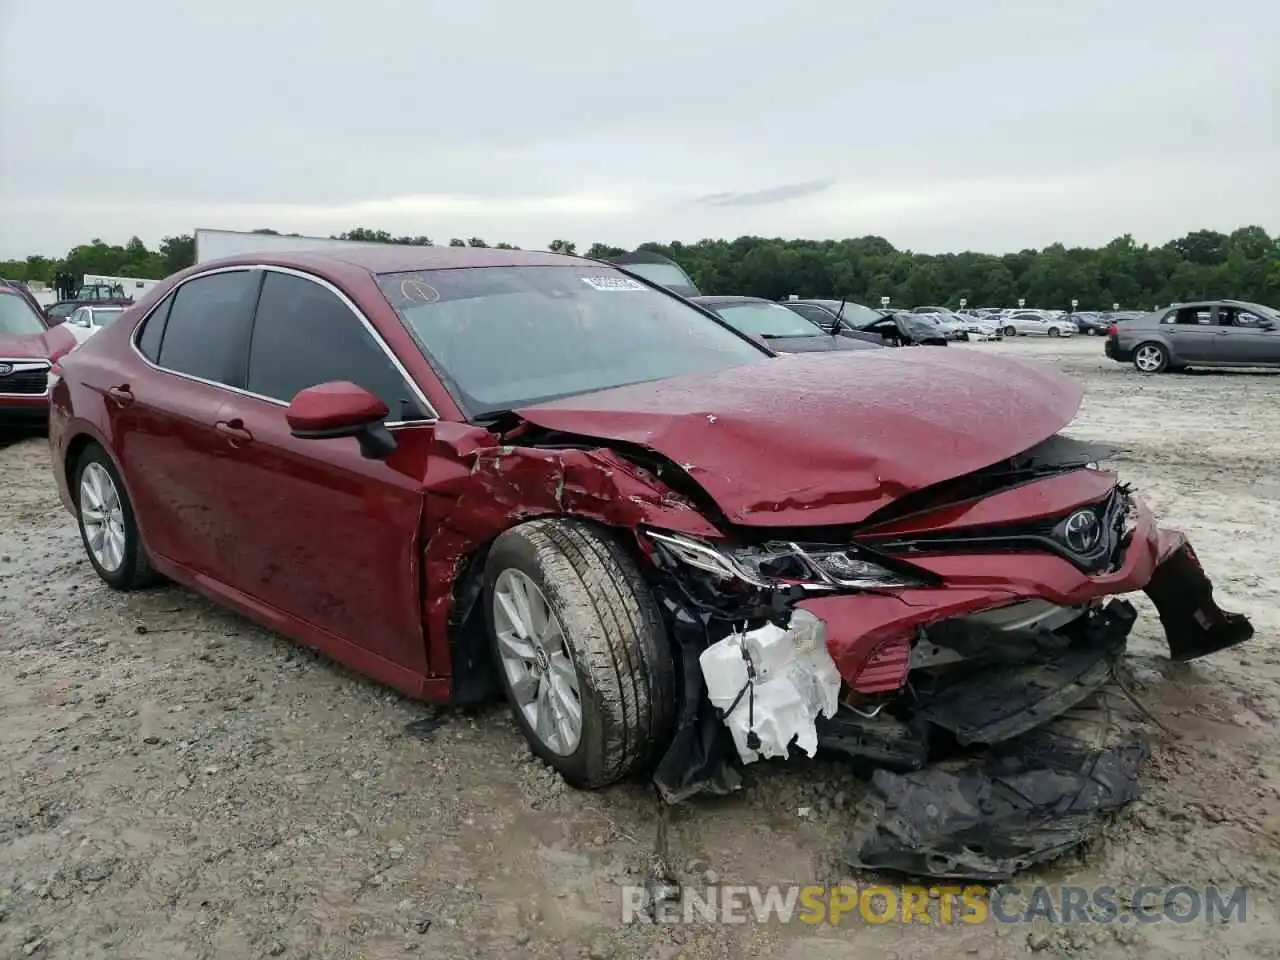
{"x":1090,"y":324}
{"x":465,"y":469}
{"x":29,"y":345}
{"x":1033,"y":323}
{"x":63,"y":309}
{"x":1211,"y":333}
{"x":894,"y":329}
{"x":88,"y":320}
{"x":953,"y":326}
{"x":658,"y":269}
{"x":783,"y":330}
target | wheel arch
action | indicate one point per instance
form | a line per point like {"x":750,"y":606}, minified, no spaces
{"x":472,"y":675}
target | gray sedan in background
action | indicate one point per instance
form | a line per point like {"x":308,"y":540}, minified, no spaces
{"x":1211,"y":333}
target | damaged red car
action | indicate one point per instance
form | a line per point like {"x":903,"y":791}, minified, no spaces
{"x":472,"y":471}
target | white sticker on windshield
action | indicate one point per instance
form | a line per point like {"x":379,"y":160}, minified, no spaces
{"x":612,"y":283}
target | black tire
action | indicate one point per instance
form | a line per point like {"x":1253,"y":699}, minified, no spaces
{"x":134,"y":572}
{"x":1055,"y":332}
{"x":1150,"y":349}
{"x":1010,"y":331}
{"x":614,"y":634}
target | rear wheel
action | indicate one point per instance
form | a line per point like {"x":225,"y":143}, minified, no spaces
{"x":581,"y":649}
{"x":108,"y":527}
{"x":1150,"y":358}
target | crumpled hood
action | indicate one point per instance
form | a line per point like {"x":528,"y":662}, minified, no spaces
{"x":829,"y":438}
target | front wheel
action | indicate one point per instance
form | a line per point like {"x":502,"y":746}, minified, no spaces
{"x":1010,"y":331}
{"x":1150,"y":358}
{"x":581,"y":649}
{"x":1055,"y":332}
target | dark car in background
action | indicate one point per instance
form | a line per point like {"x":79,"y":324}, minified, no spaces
{"x":1210,"y":333}
{"x":1090,"y":324}
{"x":658,"y":269}
{"x":784,"y":330}
{"x":29,"y":345}
{"x":894,"y":328}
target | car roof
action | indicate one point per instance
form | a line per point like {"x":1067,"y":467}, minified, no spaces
{"x":396,"y":258}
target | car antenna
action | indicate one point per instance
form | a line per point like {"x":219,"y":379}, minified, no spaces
{"x":835,"y":324}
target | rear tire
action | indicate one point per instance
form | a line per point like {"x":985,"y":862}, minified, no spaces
{"x":108,"y":527}
{"x":604,"y":644}
{"x":1150,"y":357}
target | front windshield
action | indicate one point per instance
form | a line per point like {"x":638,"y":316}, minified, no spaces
{"x":17,"y":317}
{"x":506,"y":337}
{"x":767,"y":320}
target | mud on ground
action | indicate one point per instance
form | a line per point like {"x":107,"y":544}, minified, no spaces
{"x":179,"y":783}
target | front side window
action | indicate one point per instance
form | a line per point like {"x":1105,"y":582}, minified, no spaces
{"x":207,"y":333}
{"x":505,"y":337}
{"x":17,"y":317}
{"x":767,"y":320}
{"x":304,"y":335}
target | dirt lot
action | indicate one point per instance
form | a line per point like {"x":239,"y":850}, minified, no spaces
{"x":180,"y":783}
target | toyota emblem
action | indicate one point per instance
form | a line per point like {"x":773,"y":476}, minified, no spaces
{"x":1082,"y":531}
{"x":6,"y":369}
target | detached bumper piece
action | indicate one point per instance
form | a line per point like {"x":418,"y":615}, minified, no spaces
{"x":1025,"y":802}
{"x":1194,"y":624}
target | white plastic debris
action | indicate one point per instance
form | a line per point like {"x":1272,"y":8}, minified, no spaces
{"x":795,"y":681}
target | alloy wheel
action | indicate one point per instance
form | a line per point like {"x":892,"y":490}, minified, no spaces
{"x":1148,"y":358}
{"x":539,"y":669}
{"x":102,"y":515}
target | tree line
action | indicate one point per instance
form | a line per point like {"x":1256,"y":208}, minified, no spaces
{"x":1204,"y":264}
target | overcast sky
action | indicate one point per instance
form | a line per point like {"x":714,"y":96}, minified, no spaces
{"x":941,"y":125}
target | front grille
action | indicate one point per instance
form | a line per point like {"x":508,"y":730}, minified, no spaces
{"x":1036,"y":536}
{"x":28,"y":380}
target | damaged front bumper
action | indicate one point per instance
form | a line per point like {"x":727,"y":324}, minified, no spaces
{"x":983,"y":660}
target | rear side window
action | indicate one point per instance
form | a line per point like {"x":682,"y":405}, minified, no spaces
{"x":207,"y":331}
{"x":304,"y":335}
{"x":153,"y":330}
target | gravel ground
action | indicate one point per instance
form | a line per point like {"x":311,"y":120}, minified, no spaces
{"x":181,"y":783}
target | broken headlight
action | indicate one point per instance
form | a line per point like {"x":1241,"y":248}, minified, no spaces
{"x":784,"y":564}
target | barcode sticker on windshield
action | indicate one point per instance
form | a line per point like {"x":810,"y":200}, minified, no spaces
{"x":612,"y":283}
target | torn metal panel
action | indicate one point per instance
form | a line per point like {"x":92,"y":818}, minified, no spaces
{"x":477,"y":486}
{"x":1028,"y":801}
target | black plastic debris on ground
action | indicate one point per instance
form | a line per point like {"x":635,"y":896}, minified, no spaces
{"x":1022,"y":802}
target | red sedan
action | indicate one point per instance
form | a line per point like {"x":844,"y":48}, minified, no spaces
{"x":463,"y":470}
{"x":29,"y":345}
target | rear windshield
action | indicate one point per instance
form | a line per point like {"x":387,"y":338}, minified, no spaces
{"x":506,"y":337}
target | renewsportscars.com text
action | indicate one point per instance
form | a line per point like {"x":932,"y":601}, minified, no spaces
{"x":816,"y":904}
